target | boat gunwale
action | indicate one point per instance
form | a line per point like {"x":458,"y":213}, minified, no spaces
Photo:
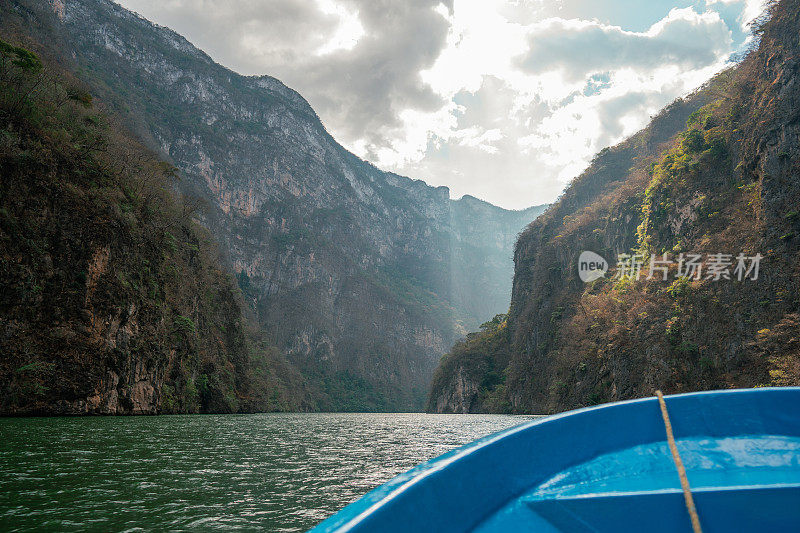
{"x":357,"y":512}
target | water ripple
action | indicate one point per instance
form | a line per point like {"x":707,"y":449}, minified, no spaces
{"x":277,"y":472}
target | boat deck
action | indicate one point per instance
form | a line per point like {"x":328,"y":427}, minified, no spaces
{"x":638,"y":489}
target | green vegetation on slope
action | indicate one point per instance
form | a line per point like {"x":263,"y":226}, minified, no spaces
{"x":112,"y":299}
{"x":478,"y":361}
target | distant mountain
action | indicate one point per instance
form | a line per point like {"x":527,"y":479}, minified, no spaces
{"x":714,"y":173}
{"x":361,"y":278}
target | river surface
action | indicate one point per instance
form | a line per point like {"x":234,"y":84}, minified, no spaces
{"x":271,"y":472}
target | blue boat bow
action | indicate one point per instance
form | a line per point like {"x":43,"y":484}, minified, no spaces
{"x":608,"y":469}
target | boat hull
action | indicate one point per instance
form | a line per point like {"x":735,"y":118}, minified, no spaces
{"x":608,"y":468}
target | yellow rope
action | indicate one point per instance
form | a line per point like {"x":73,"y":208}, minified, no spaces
{"x":687,"y":492}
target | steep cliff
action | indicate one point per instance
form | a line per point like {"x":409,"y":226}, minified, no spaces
{"x":111,"y":298}
{"x":362,"y":278}
{"x":715,"y":173}
{"x":470,"y":379}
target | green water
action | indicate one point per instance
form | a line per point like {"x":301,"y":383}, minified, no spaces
{"x":271,"y":472}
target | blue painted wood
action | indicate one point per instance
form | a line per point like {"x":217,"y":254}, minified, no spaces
{"x":754,"y":508}
{"x":607,"y":468}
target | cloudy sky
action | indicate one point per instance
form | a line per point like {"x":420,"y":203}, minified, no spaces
{"x":503,"y":100}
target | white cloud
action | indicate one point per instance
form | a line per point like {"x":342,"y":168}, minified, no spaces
{"x":750,"y":9}
{"x":553,"y":93}
{"x":348,"y":32}
{"x":579,"y":48}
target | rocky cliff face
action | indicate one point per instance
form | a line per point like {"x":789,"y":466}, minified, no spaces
{"x":470,"y":379}
{"x":459,"y":396}
{"x":715,"y":173}
{"x":112,"y":300}
{"x":362,"y":278}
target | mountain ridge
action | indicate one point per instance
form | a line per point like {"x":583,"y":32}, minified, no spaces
{"x":348,"y":269}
